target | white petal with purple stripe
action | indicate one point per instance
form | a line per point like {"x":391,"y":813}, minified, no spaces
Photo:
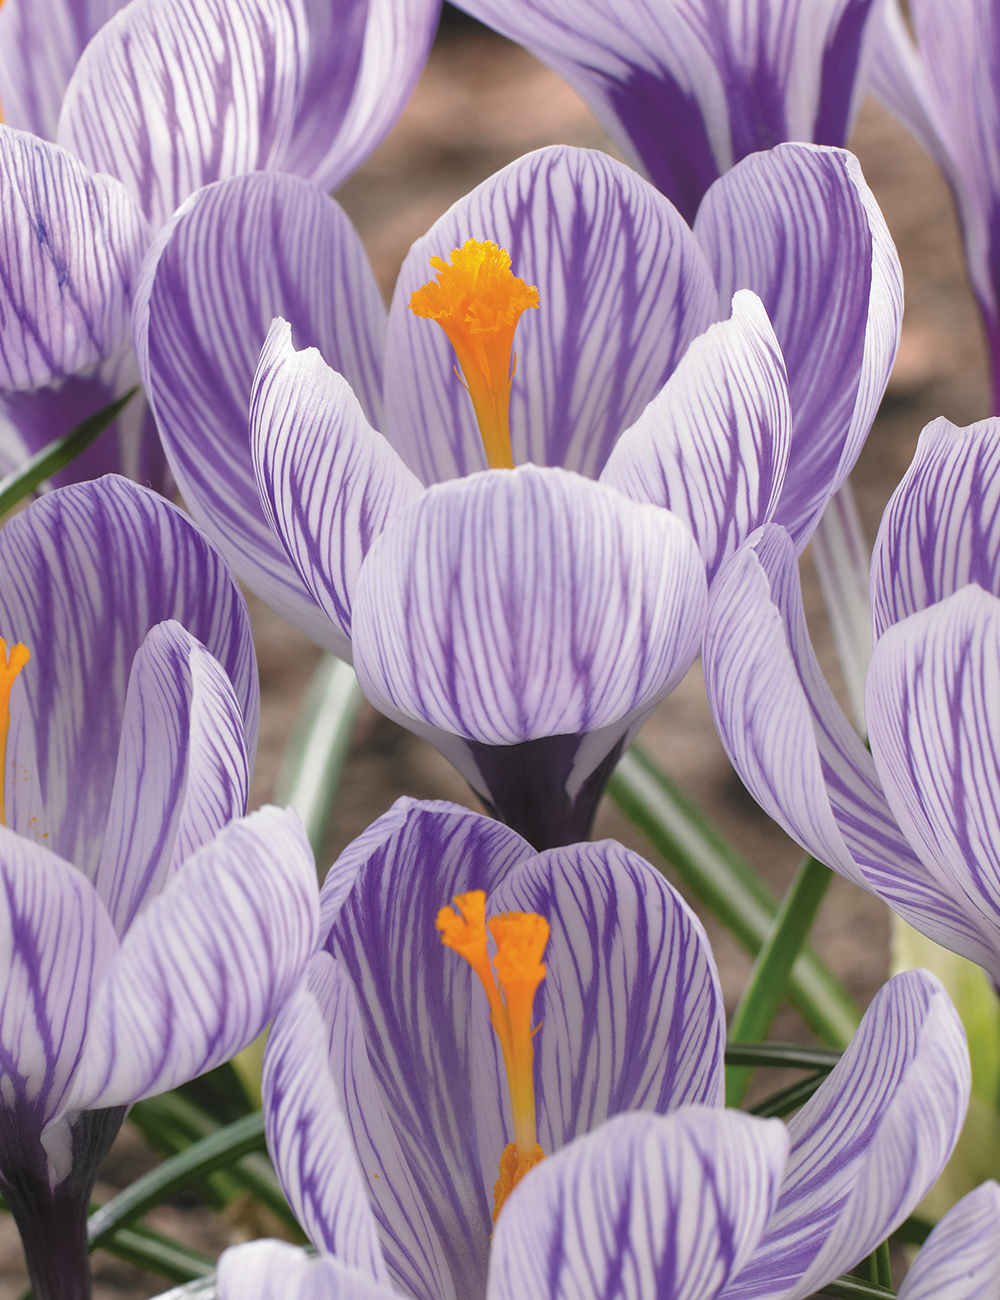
{"x":175,"y":94}
{"x":713,"y":445}
{"x":206,"y":965}
{"x":182,"y":770}
{"x":644,"y":1206}
{"x":328,"y":482}
{"x":941,"y":528}
{"x":56,"y":944}
{"x":800,"y":227}
{"x":517,"y":604}
{"x":69,"y":261}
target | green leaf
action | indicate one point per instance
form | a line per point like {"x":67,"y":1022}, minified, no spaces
{"x":728,"y":885}
{"x":788,"y":1099}
{"x":786,"y":1056}
{"x":313,"y":762}
{"x":206,"y":1289}
{"x":219,"y":1150}
{"x":57,"y":455}
{"x":765,"y":989}
{"x":853,"y":1288}
{"x":156,"y":1253}
{"x":171,"y":1123}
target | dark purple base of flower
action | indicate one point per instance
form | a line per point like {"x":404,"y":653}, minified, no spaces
{"x":53,"y":1223}
{"x":528,"y":787}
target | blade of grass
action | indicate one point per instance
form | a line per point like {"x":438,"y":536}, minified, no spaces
{"x":728,"y":885}
{"x":220,"y":1150}
{"x":786,"y":1056}
{"x":788,"y":1099}
{"x":58,"y":454}
{"x":311,"y":769}
{"x":765,"y":989}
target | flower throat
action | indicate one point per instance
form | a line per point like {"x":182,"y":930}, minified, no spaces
{"x":511,"y":981}
{"x":477,"y":301}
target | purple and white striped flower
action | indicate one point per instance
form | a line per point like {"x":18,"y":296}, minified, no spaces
{"x":529,"y":662}
{"x":149,"y":929}
{"x":945,"y":89}
{"x":387,"y":1109}
{"x":961,"y":1257}
{"x":688,"y":88}
{"x":915,"y":820}
{"x":167,"y":96}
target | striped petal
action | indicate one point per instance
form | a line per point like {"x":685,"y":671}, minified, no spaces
{"x":941,"y":528}
{"x":868,"y":1144}
{"x":800,"y":227}
{"x":69,"y":261}
{"x":645,"y":1206}
{"x":307,"y":1132}
{"x":206,"y":965}
{"x":264,"y":1270}
{"x":623,"y":288}
{"x":933,"y":707}
{"x":40,"y":43}
{"x":88,"y":570}
{"x":237,"y":255}
{"x":946,"y":91}
{"x":797,"y":753}
{"x":630,"y":1012}
{"x":364,"y":61}
{"x":519,"y":604}
{"x":958,"y":1261}
{"x":333,"y":1143}
{"x":182,"y":770}
{"x":56,"y":944}
{"x":175,"y":94}
{"x":688,"y":88}
{"x":328,"y":482}
{"x":713,"y":445}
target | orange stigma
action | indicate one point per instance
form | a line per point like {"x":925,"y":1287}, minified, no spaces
{"x":477,"y":301}
{"x":520,"y":938}
{"x":12,"y":664}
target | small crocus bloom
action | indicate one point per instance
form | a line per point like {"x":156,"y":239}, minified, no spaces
{"x":388,"y":1104}
{"x":943,"y":87}
{"x":915,"y":821}
{"x":167,"y":96}
{"x":150,"y":930}
{"x":688,"y":88}
{"x":526,"y":621}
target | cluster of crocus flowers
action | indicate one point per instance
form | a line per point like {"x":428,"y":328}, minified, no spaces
{"x":150,"y":929}
{"x":388,"y":1106}
{"x":525,"y":621}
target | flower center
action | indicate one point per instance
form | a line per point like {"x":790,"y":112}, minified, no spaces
{"x":477,"y":302}
{"x":520,"y":938}
{"x":12,"y":664}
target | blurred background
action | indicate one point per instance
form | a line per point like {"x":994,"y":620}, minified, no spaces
{"x":481,"y":103}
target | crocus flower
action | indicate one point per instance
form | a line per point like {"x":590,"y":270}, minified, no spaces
{"x":959,"y":1260}
{"x":944,"y":90}
{"x":389,"y":1098}
{"x":688,"y":88}
{"x":914,"y":821}
{"x":150,"y":930}
{"x":530,"y":664}
{"x":169,"y":95}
